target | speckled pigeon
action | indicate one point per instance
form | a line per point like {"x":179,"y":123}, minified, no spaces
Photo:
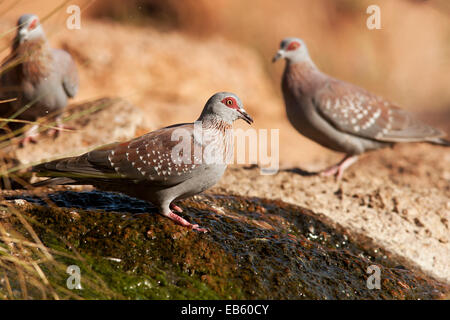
{"x":155,"y":167}
{"x":36,"y":77}
{"x":341,"y":116}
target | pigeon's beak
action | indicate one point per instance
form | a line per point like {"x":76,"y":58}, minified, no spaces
{"x":245,"y":116}
{"x":278,"y":56}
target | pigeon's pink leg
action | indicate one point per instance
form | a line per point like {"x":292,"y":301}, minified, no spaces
{"x":338,"y":169}
{"x":176,"y":208}
{"x":54,"y":132}
{"x":30,"y":136}
{"x":182,"y":222}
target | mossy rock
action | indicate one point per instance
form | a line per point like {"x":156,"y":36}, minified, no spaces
{"x":256,"y":249}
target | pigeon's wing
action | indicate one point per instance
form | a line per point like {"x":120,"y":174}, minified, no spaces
{"x":68,"y":69}
{"x":160,"y":157}
{"x":353,"y":110}
{"x":165,"y":156}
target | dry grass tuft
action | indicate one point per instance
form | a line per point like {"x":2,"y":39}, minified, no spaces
{"x":28,"y":268}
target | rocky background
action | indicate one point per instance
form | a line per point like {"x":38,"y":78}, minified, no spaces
{"x":147,"y":64}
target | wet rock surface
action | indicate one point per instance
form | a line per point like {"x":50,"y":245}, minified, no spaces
{"x":256,"y":249}
{"x":397,"y":197}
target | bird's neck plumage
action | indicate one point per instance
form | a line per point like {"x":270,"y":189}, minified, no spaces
{"x":217,"y":134}
{"x":32,"y":57}
{"x":301,"y":76}
{"x":215,"y":122}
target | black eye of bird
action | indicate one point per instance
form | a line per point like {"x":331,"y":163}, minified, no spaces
{"x":229,"y":102}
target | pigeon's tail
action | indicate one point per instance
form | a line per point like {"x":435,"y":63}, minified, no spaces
{"x":55,"y":176}
{"x":440,"y":142}
{"x":54,"y":182}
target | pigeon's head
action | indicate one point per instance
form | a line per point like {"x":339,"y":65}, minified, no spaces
{"x":225,"y":106}
{"x":293,"y":50}
{"x":28,"y":28}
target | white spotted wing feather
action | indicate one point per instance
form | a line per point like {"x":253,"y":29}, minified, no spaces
{"x":356,"y":111}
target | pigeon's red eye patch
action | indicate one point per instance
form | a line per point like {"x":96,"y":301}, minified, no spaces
{"x":293,"y":45}
{"x":230,"y":102}
{"x":33,"y":24}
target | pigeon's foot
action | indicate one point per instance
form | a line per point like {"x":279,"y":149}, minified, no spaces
{"x":26,"y":140}
{"x":330,"y":171}
{"x":176,"y":208}
{"x":337,"y":170}
{"x":55,"y":132}
{"x":182,"y":222}
{"x":30,"y":136}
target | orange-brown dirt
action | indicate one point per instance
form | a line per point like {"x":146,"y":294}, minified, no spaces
{"x":399,"y":197}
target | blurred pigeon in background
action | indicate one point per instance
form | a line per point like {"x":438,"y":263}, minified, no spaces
{"x":36,"y":79}
{"x":341,"y":116}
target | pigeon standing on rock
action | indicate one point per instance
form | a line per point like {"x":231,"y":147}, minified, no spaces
{"x":37,"y":79}
{"x":153,"y":167}
{"x":341,"y":116}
